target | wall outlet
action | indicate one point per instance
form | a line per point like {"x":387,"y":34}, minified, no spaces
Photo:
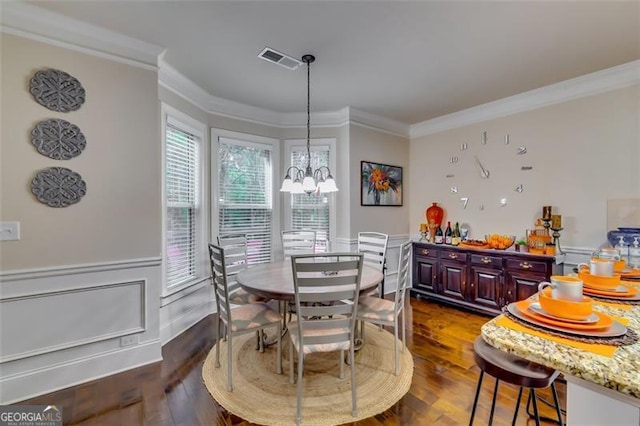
{"x":9,"y":231}
{"x":129,"y":340}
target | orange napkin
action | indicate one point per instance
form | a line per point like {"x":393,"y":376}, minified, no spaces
{"x":596,"y":348}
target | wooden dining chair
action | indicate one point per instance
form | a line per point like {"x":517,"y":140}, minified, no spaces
{"x":387,"y":312}
{"x":298,"y":242}
{"x":373,"y":245}
{"x":238,"y":319}
{"x":326,"y":293}
{"x":235,"y":252}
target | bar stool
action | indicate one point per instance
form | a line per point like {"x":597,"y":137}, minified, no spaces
{"x":515,"y":370}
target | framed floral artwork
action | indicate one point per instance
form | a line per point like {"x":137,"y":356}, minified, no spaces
{"x":381,"y":184}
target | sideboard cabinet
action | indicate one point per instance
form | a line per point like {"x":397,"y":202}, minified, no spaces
{"x":483,"y":280}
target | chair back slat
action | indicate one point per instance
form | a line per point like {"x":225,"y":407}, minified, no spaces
{"x":235,"y":257}
{"x":374,"y":247}
{"x":219,"y":279}
{"x":403,"y":284}
{"x":298,"y":242}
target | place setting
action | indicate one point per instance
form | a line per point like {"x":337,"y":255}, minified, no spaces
{"x":564,"y":310}
{"x":603,"y":280}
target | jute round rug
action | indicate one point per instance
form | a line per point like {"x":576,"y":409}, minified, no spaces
{"x":262,"y":396}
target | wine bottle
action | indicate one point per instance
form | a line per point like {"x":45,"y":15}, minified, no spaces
{"x":439,"y":237}
{"x":455,"y":236}
{"x":447,"y":234}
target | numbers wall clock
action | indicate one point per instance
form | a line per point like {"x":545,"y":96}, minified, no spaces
{"x":57,"y":90}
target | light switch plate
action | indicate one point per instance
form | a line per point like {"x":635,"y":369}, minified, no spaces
{"x":9,"y":231}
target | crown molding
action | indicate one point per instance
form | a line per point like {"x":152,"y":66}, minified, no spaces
{"x":29,"y":21}
{"x":590,"y":84}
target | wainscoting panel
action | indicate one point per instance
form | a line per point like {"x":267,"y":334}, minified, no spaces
{"x":72,"y":324}
{"x":183,"y":310}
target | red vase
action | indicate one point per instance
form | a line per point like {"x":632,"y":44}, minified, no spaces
{"x":434,"y":214}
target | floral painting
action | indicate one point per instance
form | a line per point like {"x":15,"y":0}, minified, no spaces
{"x":381,"y":184}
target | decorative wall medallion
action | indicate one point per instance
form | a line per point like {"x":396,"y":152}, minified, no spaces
{"x":58,"y":139}
{"x":58,"y":187}
{"x":57,"y":90}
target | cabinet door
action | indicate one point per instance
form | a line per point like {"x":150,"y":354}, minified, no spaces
{"x":520,"y":285}
{"x":486,"y":287}
{"x":453,"y":279}
{"x":425,"y":274}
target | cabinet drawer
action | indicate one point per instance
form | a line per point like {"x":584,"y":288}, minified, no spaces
{"x":526,"y":265}
{"x":426,"y":252}
{"x":453,"y":255}
{"x":480,"y":259}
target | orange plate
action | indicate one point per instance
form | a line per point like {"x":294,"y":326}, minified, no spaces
{"x":630,"y":273}
{"x":604,"y":321}
{"x":629,"y":293}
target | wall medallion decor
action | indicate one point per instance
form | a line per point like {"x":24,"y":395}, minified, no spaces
{"x":58,"y":186}
{"x":57,"y":90}
{"x":58,"y":139}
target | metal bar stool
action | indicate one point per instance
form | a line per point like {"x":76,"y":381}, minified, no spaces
{"x":517,"y":371}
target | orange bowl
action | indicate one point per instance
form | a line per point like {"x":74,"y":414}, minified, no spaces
{"x":599,"y":282}
{"x":500,"y":242}
{"x":619,"y":265}
{"x":565,"y":308}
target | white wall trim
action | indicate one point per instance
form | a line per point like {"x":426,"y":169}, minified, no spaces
{"x":30,"y":383}
{"x":87,"y":268}
{"x":27,"y":20}
{"x":590,"y":84}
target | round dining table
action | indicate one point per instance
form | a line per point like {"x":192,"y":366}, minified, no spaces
{"x":275,"y":280}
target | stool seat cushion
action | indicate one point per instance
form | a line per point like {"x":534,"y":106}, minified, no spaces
{"x":511,"y":368}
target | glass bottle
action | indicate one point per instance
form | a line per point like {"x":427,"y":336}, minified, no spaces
{"x":447,"y":234}
{"x":439,"y":236}
{"x":455,"y":236}
{"x":623,"y":249}
{"x":634,"y":254}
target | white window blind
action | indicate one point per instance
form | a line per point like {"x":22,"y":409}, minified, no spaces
{"x":244,"y":191}
{"x":181,"y":153}
{"x":311,"y":211}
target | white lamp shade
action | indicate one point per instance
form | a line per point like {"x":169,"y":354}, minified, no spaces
{"x":330,"y":185}
{"x":308,"y":184}
{"x":287,"y":184}
{"x":297,"y":188}
{"x":322,"y":187}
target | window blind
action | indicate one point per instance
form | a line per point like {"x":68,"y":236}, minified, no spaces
{"x":181,"y":180}
{"x":311,"y":212}
{"x":245,"y":194}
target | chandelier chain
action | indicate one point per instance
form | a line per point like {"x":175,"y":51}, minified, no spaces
{"x":308,"y":113}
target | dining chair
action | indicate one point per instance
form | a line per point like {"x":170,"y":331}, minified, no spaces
{"x":240,"y":319}
{"x":326,"y":292}
{"x":298,"y":242}
{"x":374,"y":247}
{"x":235,"y":252}
{"x":387,"y":312}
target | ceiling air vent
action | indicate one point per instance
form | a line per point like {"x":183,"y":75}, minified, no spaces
{"x":268,"y":54}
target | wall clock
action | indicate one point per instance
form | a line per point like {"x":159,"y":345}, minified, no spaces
{"x":472,"y":168}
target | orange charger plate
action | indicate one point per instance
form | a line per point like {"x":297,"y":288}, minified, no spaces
{"x":604,"y":320}
{"x":629,"y":293}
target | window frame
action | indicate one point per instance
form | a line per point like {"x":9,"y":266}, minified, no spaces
{"x":289,"y":145}
{"x":172,"y":116}
{"x":248,"y":140}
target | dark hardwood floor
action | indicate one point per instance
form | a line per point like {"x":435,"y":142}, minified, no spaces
{"x":172,"y":392}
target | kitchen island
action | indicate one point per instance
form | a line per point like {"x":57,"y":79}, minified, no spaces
{"x":601,"y":390}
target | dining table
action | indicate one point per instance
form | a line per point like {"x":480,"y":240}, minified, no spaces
{"x":275,"y":280}
{"x":603,"y":379}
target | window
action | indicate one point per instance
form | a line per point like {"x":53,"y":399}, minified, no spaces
{"x":245,"y":192}
{"x":183,"y":216}
{"x":311,"y":211}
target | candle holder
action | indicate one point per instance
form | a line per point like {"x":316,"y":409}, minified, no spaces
{"x":556,"y":239}
{"x":424,"y":235}
{"x":546,"y":224}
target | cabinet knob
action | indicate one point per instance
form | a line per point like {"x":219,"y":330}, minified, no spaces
{"x":525,"y":265}
{"x":509,"y":292}
{"x":472,"y":284}
{"x":485,"y":260}
{"x":453,"y":256}
{"x":425,"y":251}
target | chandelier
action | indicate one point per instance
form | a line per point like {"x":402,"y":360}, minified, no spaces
{"x":308,"y":180}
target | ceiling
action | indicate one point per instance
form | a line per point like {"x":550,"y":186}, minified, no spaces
{"x":406,"y":61}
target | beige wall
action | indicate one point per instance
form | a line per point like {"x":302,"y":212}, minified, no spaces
{"x":583,"y":153}
{"x":120,"y":216}
{"x":376,"y":146}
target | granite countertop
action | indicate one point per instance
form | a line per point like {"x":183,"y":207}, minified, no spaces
{"x":620,"y":373}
